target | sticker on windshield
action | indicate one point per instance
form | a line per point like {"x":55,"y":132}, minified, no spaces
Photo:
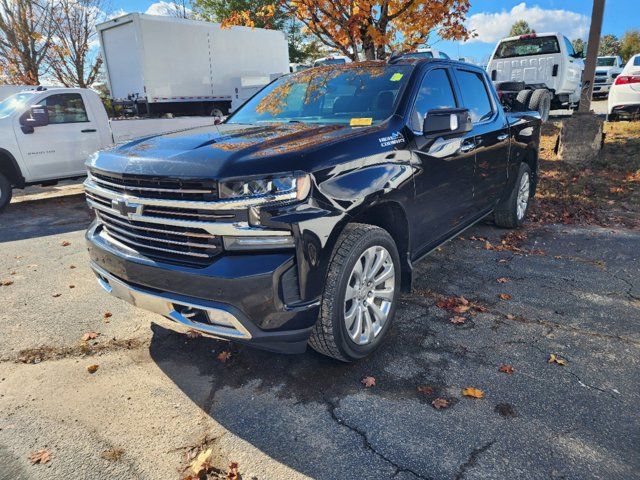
{"x":361,"y":122}
{"x":396,"y":77}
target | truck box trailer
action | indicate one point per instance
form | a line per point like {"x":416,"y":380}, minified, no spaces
{"x":172,"y":65}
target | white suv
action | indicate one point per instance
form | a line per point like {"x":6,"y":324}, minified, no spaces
{"x":539,"y":61}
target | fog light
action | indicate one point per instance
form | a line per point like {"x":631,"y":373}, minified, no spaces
{"x":258,"y":243}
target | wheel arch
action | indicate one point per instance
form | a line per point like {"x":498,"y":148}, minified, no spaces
{"x":10,"y":168}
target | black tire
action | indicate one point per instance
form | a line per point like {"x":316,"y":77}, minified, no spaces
{"x":505,"y":214}
{"x":521,"y":103}
{"x":541,"y":102}
{"x":330,"y":336}
{"x":5,"y":192}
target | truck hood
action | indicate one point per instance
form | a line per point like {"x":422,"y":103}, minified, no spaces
{"x":226,"y":150}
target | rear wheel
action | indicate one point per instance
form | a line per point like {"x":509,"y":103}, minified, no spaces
{"x":5,"y":192}
{"x":541,"y":102}
{"x":510,"y":213}
{"x":360,"y":297}
{"x":521,"y":103}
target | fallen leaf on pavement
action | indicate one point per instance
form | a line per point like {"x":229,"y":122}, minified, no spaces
{"x":89,"y":336}
{"x":224,"y":356}
{"x":191,"y":333}
{"x":56,"y":295}
{"x":41,"y":456}
{"x":108,"y":315}
{"x":505,"y":296}
{"x":65,"y":243}
{"x":201,"y":462}
{"x":503,"y":280}
{"x":510,"y":317}
{"x":6,"y":283}
{"x":480,"y":308}
{"x":553,"y":358}
{"x":457,"y":320}
{"x":112,"y":454}
{"x":368,"y":382}
{"x":72,"y":286}
{"x":472,"y":392}
{"x":425,"y":389}
{"x":440,"y":403}
{"x":232,"y":471}
{"x":506,"y":369}
{"x":92,"y":368}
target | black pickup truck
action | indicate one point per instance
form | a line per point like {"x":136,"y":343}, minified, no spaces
{"x":299,"y":219}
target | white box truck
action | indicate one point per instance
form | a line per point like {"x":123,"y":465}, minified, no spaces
{"x":164,"y":65}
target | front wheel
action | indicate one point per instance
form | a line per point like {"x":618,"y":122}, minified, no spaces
{"x":360,"y":297}
{"x":5,"y":192}
{"x":510,"y":213}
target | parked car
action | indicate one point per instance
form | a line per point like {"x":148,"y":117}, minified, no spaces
{"x":331,"y":60}
{"x":211,"y":69}
{"x":607,"y":70}
{"x":424,"y":53}
{"x":298,"y":67}
{"x":624,"y":96}
{"x":299,"y":220}
{"x":543,"y":62}
{"x":47,"y":134}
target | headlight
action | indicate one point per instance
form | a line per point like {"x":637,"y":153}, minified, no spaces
{"x":281,"y":187}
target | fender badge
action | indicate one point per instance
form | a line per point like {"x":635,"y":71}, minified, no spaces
{"x":393,"y":139}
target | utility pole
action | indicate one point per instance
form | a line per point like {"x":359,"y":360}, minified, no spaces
{"x":592,"y":54}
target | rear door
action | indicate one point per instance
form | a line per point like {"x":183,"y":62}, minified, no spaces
{"x":444,"y":184}
{"x":490,"y":136}
{"x":60,"y":149}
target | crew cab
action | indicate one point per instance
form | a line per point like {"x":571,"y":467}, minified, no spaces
{"x":539,"y":61}
{"x":300,"y":218}
{"x":607,"y":70}
{"x":46,"y":135}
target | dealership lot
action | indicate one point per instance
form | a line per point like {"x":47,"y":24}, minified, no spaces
{"x":158,"y":395}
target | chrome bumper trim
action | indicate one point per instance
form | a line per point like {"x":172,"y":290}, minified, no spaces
{"x":225,"y":325}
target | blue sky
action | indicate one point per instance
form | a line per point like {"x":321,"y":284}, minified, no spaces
{"x":493,"y":18}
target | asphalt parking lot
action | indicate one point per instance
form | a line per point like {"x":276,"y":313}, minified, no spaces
{"x":159,"y":395}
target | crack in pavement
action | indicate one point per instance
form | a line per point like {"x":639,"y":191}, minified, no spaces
{"x":472,"y":460}
{"x":331,"y":408}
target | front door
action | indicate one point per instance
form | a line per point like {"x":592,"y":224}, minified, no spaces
{"x":444,"y":184}
{"x":60,"y":149}
{"x":491,"y":137}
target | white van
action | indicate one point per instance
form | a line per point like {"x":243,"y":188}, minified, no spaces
{"x":47,"y":134}
{"x":539,"y":61}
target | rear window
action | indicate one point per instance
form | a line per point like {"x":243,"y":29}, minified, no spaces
{"x":523,"y":47}
{"x":329,"y":61}
{"x":636,"y":61}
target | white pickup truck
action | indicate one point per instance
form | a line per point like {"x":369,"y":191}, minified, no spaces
{"x":607,"y":70}
{"x":47,"y":134}
{"x":543,"y":62}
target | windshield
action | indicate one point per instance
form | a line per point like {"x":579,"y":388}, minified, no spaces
{"x":524,"y":47}
{"x":13,"y":103}
{"x":329,"y":61}
{"x":357,"y":95}
{"x":606,"y":61}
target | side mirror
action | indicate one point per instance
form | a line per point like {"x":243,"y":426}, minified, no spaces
{"x":447,"y":121}
{"x":36,"y":116}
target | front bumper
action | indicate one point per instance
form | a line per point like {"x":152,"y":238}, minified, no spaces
{"x":241,"y":297}
{"x":601,"y":88}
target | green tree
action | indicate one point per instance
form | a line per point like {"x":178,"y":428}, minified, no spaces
{"x":521,"y":27}
{"x":579,"y":45}
{"x":630,"y":44}
{"x":609,"y":46}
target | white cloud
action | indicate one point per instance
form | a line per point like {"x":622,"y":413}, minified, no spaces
{"x":491,"y":27}
{"x":168,"y":9}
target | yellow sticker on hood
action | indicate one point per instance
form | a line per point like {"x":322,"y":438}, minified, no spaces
{"x":396,"y":77}
{"x":361,"y":122}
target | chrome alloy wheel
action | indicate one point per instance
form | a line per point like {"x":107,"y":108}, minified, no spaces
{"x":369,"y":295}
{"x":523,"y":196}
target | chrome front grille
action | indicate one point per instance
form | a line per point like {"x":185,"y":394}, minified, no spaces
{"x":167,"y":220}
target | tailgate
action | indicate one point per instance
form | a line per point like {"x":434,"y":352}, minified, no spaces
{"x":531,"y":70}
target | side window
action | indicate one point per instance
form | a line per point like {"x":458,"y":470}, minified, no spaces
{"x":435,"y":92}
{"x":569,"y":45}
{"x":66,"y":108}
{"x":475,"y":95}
{"x":443,"y":55}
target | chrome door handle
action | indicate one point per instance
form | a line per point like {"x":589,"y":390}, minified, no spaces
{"x":503,"y":136}
{"x":467,"y":147}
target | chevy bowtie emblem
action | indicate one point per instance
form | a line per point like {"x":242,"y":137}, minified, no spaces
{"x":125,"y":208}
